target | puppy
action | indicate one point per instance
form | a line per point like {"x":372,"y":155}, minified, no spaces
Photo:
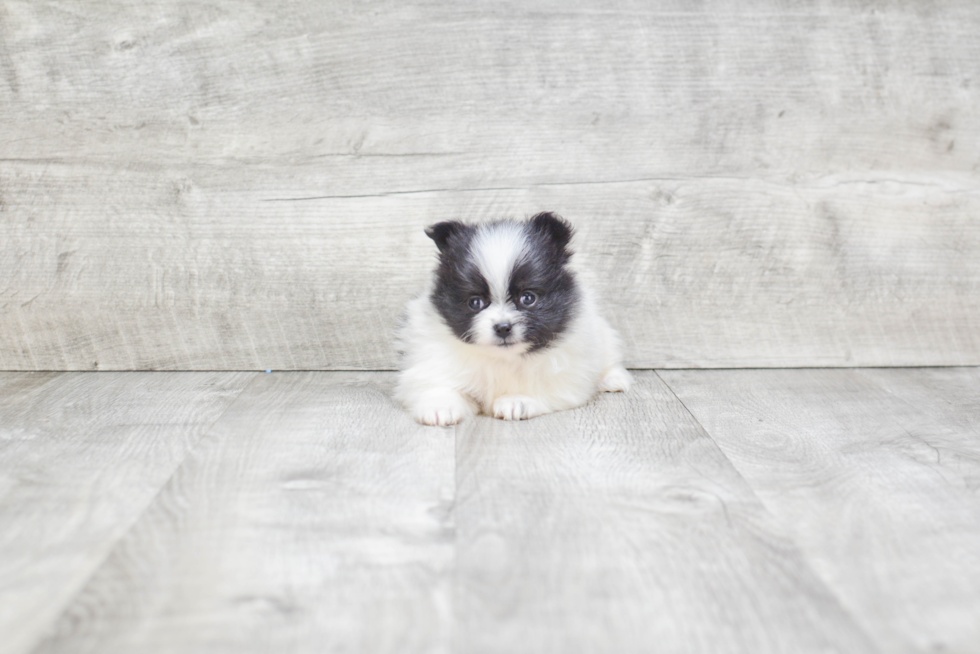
{"x":504,"y":328}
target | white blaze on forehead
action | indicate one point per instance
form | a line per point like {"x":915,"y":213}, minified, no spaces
{"x":496,"y":249}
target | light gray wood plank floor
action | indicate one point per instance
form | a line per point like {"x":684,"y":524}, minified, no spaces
{"x":314,"y":517}
{"x":81,"y":457}
{"x":704,"y":511}
{"x":620,"y":527}
{"x":875,"y":472}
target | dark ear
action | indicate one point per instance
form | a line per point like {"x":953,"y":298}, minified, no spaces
{"x":440,"y":232}
{"x":554,"y":227}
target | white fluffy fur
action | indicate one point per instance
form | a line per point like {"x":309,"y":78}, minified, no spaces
{"x":445,"y":380}
{"x":495,"y":252}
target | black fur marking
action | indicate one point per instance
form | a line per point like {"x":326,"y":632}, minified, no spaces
{"x":552,"y":226}
{"x":457,"y":277}
{"x":543,"y":272}
{"x":442,"y":233}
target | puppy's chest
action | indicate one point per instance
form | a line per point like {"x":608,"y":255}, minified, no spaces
{"x":492,"y":379}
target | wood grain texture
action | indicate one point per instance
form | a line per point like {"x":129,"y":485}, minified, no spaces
{"x":81,"y":456}
{"x":230,"y":185}
{"x":875,"y":474}
{"x":787,"y":511}
{"x":951,"y":398}
{"x":620,"y":527}
{"x":510,"y":93}
{"x":315,"y":516}
{"x":194,"y":270}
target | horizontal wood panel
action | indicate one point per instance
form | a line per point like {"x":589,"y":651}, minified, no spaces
{"x":511,"y":93}
{"x":207,"y":268}
{"x":230,"y":185}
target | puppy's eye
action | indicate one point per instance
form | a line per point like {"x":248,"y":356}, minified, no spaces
{"x":528,"y":298}
{"x":476,"y":303}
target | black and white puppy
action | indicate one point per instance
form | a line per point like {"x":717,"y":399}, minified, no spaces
{"x":505,"y":328}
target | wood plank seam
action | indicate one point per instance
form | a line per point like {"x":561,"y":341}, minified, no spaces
{"x":823,"y":439}
{"x":83,"y":584}
{"x":828,"y":588}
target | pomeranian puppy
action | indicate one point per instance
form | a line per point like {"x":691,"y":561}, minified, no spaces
{"x":504,"y":328}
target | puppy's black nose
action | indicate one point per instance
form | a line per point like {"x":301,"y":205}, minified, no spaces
{"x":502,"y":329}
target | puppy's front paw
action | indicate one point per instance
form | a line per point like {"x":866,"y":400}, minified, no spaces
{"x":442,"y":409}
{"x":439,"y":416}
{"x":517,"y":407}
{"x":616,"y":380}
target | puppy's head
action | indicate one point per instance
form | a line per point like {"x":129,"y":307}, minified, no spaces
{"x":505,"y":285}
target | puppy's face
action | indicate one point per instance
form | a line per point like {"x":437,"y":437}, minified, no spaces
{"x":505,"y":285}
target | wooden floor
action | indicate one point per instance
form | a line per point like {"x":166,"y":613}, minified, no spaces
{"x":706,"y":511}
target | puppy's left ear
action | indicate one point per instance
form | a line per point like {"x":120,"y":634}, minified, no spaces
{"x":554,"y":227}
{"x":442,"y":232}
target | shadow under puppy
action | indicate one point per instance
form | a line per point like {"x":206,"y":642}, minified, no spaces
{"x":504,"y":327}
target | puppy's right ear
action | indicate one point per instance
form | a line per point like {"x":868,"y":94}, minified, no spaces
{"x":441,"y":232}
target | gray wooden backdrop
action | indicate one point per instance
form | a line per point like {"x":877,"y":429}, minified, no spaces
{"x":243,"y":185}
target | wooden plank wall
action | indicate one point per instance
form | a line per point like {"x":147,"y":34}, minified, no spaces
{"x":243,"y":185}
